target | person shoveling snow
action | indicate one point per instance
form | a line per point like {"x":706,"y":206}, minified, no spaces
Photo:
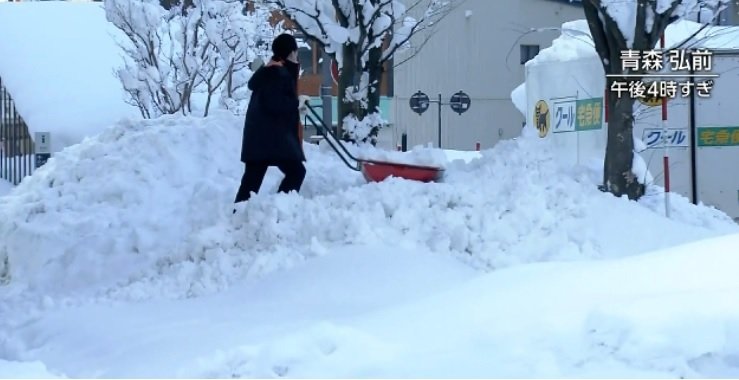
{"x":272,"y":126}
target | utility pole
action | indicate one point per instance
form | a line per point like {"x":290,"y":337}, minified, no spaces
{"x":326,"y":87}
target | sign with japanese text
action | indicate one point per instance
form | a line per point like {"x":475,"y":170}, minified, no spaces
{"x":575,"y":115}
{"x":692,"y":60}
{"x":564,"y":115}
{"x":718,"y":136}
{"x":642,"y":76}
{"x":589,"y":114}
{"x":675,"y":137}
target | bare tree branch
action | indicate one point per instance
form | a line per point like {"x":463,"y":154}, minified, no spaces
{"x":418,"y":28}
{"x":660,"y":23}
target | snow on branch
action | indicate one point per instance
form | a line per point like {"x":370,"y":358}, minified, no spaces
{"x":639,"y":23}
{"x":362,"y":36}
{"x":188,"y":57}
{"x":385,"y":24}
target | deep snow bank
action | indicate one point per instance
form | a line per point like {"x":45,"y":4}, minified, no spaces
{"x":5,"y":187}
{"x":110,"y":207}
{"x":144,"y":209}
{"x":26,"y":370}
{"x":666,"y":314}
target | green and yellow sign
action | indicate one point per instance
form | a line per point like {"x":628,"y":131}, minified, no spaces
{"x":718,"y":136}
{"x":589,"y":114}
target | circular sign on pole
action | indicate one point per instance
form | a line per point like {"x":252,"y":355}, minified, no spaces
{"x":649,"y":99}
{"x":419,"y":102}
{"x":335,"y":71}
{"x":460,"y":102}
{"x":541,"y":118}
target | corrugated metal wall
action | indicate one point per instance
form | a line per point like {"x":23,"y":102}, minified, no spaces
{"x":476,"y":49}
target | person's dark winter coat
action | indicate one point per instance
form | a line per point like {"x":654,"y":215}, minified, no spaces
{"x":272,"y":129}
{"x":272,"y":118}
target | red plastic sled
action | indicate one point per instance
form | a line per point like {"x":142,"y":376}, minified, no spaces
{"x":377,"y":171}
{"x":372,"y":170}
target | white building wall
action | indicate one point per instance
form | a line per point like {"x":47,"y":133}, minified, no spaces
{"x":560,"y":85}
{"x":474,"y":49}
{"x":717,"y":167}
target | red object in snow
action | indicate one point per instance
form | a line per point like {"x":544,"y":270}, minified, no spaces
{"x":335,"y":72}
{"x":377,"y":171}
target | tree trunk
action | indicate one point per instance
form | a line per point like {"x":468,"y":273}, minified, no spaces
{"x":207,"y":102}
{"x":346,"y":81}
{"x":620,"y":148}
{"x":375,"y":78}
{"x":375,"y":81}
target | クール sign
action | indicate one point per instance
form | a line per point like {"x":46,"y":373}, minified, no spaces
{"x":656,"y":138}
{"x":564,"y":115}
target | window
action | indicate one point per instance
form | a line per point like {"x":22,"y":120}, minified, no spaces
{"x":305,"y":54}
{"x":528,"y":52}
{"x":305,"y":57}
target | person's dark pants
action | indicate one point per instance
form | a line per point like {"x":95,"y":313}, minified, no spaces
{"x":254,"y":172}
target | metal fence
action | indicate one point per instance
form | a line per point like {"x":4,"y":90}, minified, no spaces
{"x":16,"y":145}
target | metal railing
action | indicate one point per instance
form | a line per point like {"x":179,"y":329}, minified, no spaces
{"x":333,"y":141}
{"x":16,"y":144}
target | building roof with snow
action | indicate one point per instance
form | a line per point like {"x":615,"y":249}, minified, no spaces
{"x":575,"y":41}
{"x":58,"y":61}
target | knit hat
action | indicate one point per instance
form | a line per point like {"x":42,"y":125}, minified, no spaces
{"x":283,"y":45}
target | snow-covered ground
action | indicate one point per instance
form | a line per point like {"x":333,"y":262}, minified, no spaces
{"x":153,"y":199}
{"x":5,"y":187}
{"x":121,"y":258}
{"x":380,"y":311}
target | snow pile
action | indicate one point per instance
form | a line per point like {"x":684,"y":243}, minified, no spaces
{"x":57,"y":62}
{"x":355,"y":313}
{"x":518,"y":96}
{"x":418,"y":155}
{"x":128,"y":198}
{"x":464,"y":155}
{"x":348,"y":282}
{"x":574,"y":43}
{"x":144,"y":210}
{"x":26,"y":370}
{"x":665,"y":314}
{"x":5,"y":187}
